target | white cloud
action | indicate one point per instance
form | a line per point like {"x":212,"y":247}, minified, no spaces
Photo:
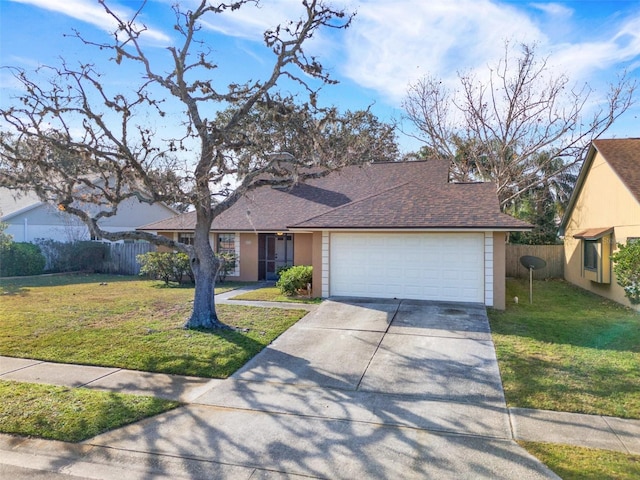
{"x":554,"y":9}
{"x":393,"y":44}
{"x":585,"y":59}
{"x":91,"y":12}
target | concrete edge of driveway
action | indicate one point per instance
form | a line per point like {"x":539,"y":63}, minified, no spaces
{"x":592,"y":431}
{"x":21,"y":458}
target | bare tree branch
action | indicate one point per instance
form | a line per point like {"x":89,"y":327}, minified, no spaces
{"x":496,"y":130}
{"x":86,"y":146}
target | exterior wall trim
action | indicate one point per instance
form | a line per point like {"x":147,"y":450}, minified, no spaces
{"x":325,"y":264}
{"x":488,"y":269}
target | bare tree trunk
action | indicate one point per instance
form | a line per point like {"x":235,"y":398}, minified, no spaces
{"x":204,"y":265}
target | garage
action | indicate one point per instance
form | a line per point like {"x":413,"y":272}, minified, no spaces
{"x":421,"y":266}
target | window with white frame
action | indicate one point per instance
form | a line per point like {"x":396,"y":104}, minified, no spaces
{"x":186,"y":238}
{"x":228,"y":243}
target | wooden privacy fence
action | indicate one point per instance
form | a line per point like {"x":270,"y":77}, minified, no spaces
{"x":552,"y":254}
{"x":122,"y":258}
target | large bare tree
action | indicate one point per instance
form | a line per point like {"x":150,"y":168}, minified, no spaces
{"x":513,"y":126}
{"x":87,"y":147}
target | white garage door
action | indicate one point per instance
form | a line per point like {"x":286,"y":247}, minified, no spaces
{"x":434,"y":266}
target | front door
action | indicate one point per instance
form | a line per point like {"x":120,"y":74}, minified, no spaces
{"x":275,"y":251}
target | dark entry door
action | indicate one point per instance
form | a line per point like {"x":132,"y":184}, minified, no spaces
{"x":276,"y":251}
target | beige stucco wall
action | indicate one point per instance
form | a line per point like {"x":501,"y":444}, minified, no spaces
{"x":499,"y":270}
{"x":248,"y":258}
{"x":302,"y":248}
{"x":604,"y":201}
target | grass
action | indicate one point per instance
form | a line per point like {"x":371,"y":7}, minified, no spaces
{"x":570,"y":351}
{"x":129,"y":323}
{"x":273,"y":294}
{"x":70,"y":414}
{"x":578,"y":463}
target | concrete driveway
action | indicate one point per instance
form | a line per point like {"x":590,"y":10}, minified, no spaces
{"x":359,"y":388}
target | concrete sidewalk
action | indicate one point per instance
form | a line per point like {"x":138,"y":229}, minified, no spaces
{"x":383,"y":389}
{"x":593,"y":431}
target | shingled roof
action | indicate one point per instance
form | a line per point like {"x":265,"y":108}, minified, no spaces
{"x":399,"y":195}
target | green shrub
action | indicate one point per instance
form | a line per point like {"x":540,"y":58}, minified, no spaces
{"x":167,"y":266}
{"x":282,"y":268}
{"x":85,"y":256}
{"x":227,"y":265}
{"x":627,"y":269}
{"x":21,"y":259}
{"x":294,"y":279}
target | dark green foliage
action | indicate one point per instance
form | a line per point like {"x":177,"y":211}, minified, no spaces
{"x":294,"y":279}
{"x":21,"y":259}
{"x":78,"y":256}
{"x":282,"y":268}
{"x":166,"y":266}
{"x":627,"y":269}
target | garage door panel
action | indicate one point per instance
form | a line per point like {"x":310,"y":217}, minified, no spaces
{"x":416,"y":266}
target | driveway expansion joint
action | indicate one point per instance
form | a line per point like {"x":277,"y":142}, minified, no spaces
{"x":384,"y":334}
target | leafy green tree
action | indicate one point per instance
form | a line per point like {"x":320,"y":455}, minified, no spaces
{"x":627,"y":269}
{"x":543,"y":205}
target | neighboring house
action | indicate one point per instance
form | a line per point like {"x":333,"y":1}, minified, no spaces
{"x":604,"y":210}
{"x":383,"y":230}
{"x":29,"y":219}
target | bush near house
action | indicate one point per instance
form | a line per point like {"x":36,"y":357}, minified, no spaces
{"x":166,"y":266}
{"x":294,"y":279}
{"x":627,"y":269}
{"x":21,"y":259}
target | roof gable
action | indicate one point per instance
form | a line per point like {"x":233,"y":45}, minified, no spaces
{"x":15,"y":202}
{"x":622,"y":155}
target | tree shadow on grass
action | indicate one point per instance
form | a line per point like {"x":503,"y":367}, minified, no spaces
{"x":298,"y":414}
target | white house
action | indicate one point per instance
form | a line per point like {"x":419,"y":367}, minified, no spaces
{"x":29,"y":219}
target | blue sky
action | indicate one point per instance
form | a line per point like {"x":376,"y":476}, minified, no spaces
{"x":390,"y":44}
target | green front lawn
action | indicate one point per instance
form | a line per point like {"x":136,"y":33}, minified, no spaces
{"x":577,"y":463}
{"x":570,"y":351}
{"x":129,"y":323}
{"x":70,"y":414}
{"x":120,"y":322}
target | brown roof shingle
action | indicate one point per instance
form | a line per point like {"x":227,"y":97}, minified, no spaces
{"x":413,"y":206}
{"x":381,"y":195}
